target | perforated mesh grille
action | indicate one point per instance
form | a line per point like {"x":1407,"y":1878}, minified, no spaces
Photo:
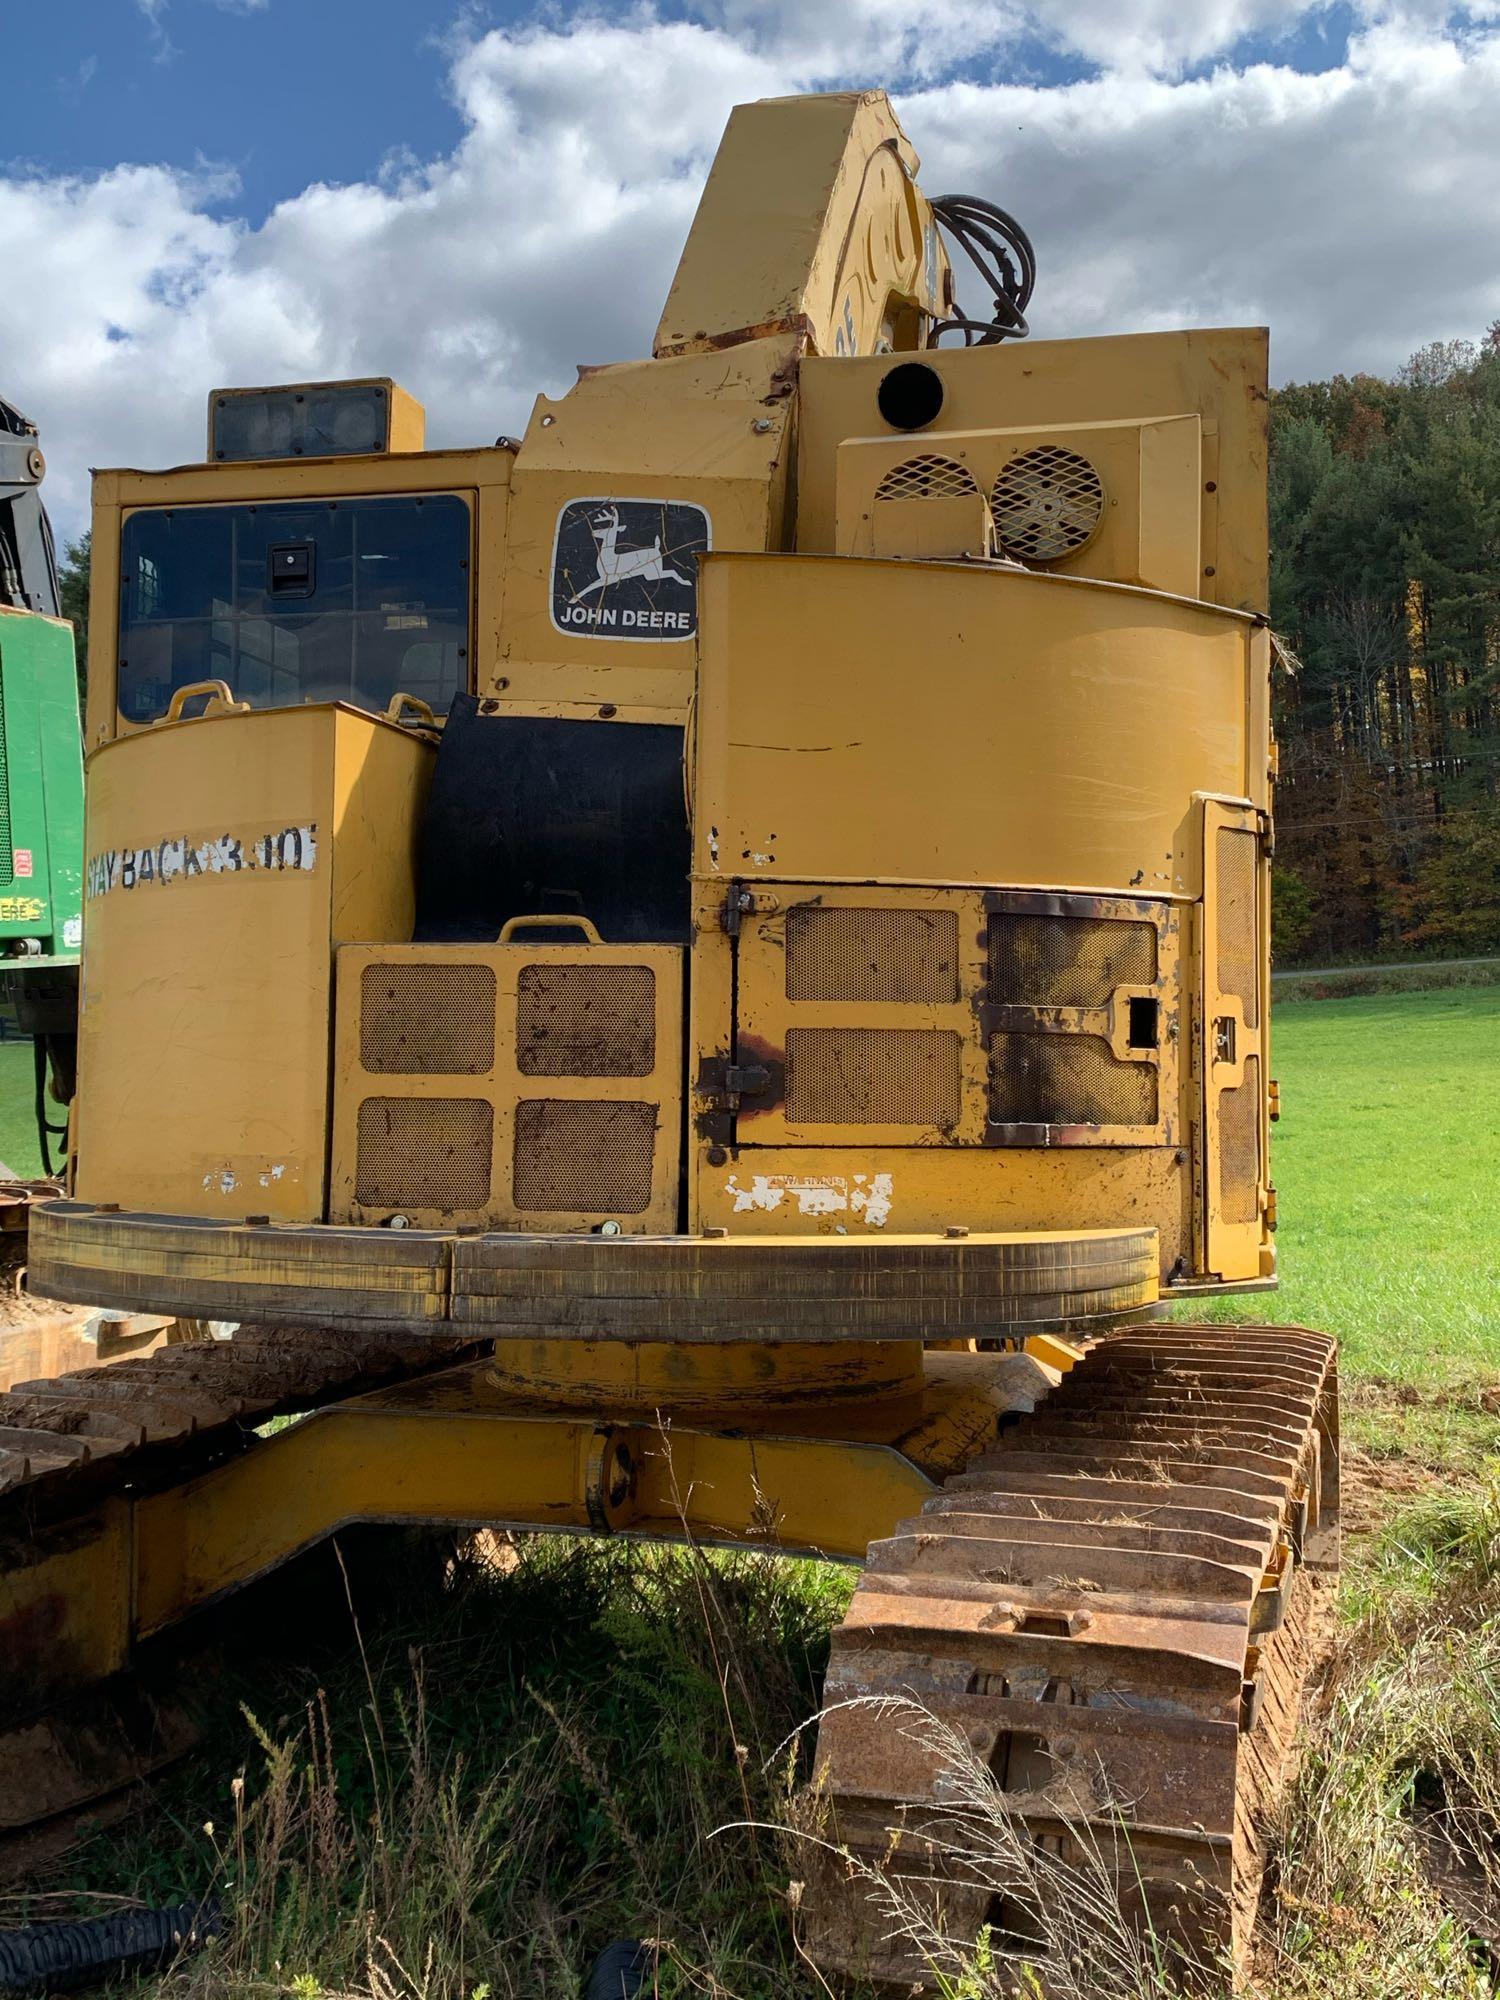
{"x":1239,"y":1147}
{"x":1067,"y":961}
{"x":431,"y":1152}
{"x":583,"y":1157}
{"x":905,"y":955}
{"x":586,"y":1020}
{"x":872,"y":1076}
{"x":427,"y":1020}
{"x":1058,"y":1079}
{"x":926,"y":477}
{"x":1047,"y":503}
{"x":1237,"y":857}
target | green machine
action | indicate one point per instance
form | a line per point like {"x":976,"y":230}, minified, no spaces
{"x":41,"y":784}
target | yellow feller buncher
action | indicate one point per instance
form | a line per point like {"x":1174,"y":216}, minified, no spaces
{"x":640,"y":966}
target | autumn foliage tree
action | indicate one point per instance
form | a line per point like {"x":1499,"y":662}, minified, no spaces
{"x":1385,"y":589}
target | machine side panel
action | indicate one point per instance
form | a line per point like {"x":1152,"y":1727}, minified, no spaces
{"x":809,"y":221}
{"x":220,"y":853}
{"x":41,"y":787}
{"x":380,"y":782}
{"x":620,"y":487}
{"x":931,"y":722}
{"x":1220,"y":373}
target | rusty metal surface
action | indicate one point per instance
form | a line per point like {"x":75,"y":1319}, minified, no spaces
{"x":1110,"y":1607}
{"x":63,"y":1441}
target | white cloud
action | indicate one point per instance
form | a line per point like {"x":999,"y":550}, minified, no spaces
{"x":1352,"y":209}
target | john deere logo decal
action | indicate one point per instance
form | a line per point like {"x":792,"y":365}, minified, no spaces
{"x":628,"y":569}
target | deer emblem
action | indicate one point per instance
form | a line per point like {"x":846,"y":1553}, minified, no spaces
{"x":617,"y":565}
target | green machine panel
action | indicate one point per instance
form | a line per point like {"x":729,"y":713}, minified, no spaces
{"x":41,"y":793}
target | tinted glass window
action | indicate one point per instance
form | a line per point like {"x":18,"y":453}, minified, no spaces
{"x":331,"y":600}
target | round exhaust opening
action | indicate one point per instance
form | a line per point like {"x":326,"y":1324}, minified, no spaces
{"x":910,"y":396}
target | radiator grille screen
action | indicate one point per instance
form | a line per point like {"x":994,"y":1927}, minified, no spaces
{"x":586,"y":1020}
{"x":872,"y":1076}
{"x":1048,"y":501}
{"x":1067,"y":961}
{"x":427,"y":1020}
{"x":926,"y":477}
{"x":427,"y":1152}
{"x":583,"y":1157}
{"x":1237,"y":856}
{"x":1059,"y":1079}
{"x":1239,"y":1147}
{"x":901,"y":955}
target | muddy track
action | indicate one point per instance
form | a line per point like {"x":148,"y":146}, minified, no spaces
{"x":1113,"y":1608}
{"x":69,"y":1441}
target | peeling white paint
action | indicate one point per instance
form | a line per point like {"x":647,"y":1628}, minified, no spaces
{"x":868,"y":1196}
{"x":272,"y":1174}
{"x":222,"y":1181}
{"x":762,"y":860}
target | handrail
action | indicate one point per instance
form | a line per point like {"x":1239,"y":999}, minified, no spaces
{"x":551,"y":919}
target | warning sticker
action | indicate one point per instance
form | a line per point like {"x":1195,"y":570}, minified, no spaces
{"x":628,"y":569}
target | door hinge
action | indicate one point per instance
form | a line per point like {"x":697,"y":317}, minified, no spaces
{"x":1273,"y":1100}
{"x":741,"y":903}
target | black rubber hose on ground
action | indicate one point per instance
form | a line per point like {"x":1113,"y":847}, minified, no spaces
{"x":56,"y":1958}
{"x":621,"y":1970}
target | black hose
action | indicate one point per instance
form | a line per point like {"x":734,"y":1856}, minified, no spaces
{"x":621,"y":1970}
{"x":42,"y":1052}
{"x":1000,"y":250}
{"x":55,"y":1958}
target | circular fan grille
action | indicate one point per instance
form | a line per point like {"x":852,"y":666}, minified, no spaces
{"x":1047,"y":504}
{"x":926,"y":477}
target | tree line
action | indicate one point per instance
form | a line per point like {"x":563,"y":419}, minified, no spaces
{"x":1385,"y":595}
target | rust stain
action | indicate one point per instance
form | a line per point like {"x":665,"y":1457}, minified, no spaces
{"x":703,"y":342}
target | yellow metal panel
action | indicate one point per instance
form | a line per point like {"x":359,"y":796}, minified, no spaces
{"x":217,"y":853}
{"x":768,"y":1190}
{"x":954,"y":1018}
{"x":1219,"y":374}
{"x":1233,"y":1040}
{"x":708,"y":430}
{"x":1150,"y":495}
{"x":379,"y":793}
{"x":810,"y":220}
{"x":492,"y":1075}
{"x":963,"y":724}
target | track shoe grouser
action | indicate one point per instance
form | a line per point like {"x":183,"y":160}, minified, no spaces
{"x":1113,"y":1608}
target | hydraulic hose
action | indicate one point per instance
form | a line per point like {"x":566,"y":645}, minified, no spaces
{"x":56,"y":1958}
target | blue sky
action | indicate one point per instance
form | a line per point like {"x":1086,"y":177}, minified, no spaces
{"x":286,"y":93}
{"x":474,"y":197}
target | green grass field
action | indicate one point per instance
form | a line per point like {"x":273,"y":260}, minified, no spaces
{"x":18,"y":1146}
{"x":1386,"y":1161}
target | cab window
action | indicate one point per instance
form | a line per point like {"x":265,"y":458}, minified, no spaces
{"x":329,"y":600}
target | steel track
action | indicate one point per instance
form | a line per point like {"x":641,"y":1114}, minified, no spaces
{"x":79,"y":1436}
{"x":1111,"y":1608}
